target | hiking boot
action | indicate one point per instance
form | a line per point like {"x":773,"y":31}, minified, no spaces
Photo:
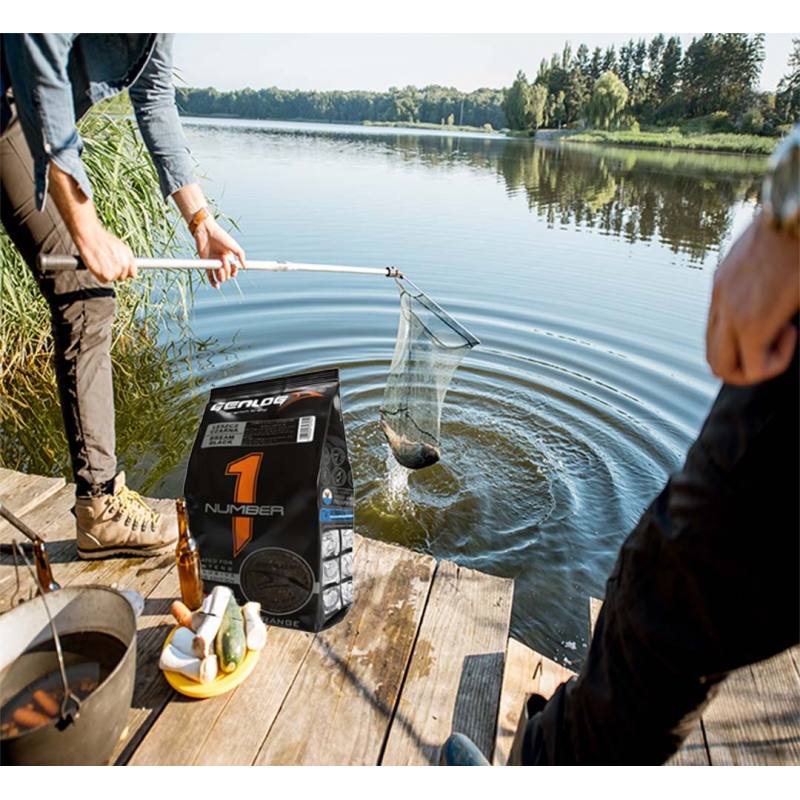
{"x":460,"y":751}
{"x":122,"y":524}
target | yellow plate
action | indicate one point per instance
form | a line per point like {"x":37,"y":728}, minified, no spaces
{"x":224,"y":682}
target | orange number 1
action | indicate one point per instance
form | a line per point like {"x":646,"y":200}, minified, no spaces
{"x":246,"y":471}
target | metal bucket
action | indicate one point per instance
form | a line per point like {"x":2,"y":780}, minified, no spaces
{"x":90,"y":732}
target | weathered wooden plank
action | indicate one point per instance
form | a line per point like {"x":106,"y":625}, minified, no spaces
{"x":53,"y":521}
{"x":341,"y":702}
{"x":40,"y":516}
{"x":22,"y":493}
{"x":594,"y":612}
{"x":755,"y":717}
{"x":455,"y":676}
{"x":779,"y":689}
{"x":181,"y":730}
{"x":693,"y":751}
{"x":68,"y":569}
{"x":307,"y":690}
{"x":10,"y":480}
{"x":59,"y":535}
{"x":151,"y":691}
{"x":527,"y":672}
{"x":794,"y":655}
{"x":7,"y":476}
{"x":779,"y":685}
{"x":735,"y":724}
{"x":242,"y":726}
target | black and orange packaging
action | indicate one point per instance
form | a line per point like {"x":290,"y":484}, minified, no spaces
{"x":269,"y":493}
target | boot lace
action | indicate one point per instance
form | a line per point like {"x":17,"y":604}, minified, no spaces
{"x":130,"y":504}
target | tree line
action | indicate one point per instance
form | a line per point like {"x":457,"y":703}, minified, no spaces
{"x":432,"y":105}
{"x":657,"y":83}
{"x":650,"y":83}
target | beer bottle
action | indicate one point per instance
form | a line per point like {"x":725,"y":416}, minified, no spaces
{"x":188,"y":558}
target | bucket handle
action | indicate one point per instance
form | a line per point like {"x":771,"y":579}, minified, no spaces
{"x":67,"y":716}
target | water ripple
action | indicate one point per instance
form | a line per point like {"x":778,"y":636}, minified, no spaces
{"x":589,"y":382}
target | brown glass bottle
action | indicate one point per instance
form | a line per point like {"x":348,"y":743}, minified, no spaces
{"x":188,"y":558}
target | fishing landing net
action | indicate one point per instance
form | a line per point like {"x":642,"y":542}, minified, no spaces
{"x":429,"y":347}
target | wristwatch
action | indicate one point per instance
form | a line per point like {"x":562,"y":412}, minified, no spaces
{"x":781,"y":189}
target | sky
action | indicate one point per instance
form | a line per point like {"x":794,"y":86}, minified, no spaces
{"x":378,"y":61}
{"x":364,"y":44}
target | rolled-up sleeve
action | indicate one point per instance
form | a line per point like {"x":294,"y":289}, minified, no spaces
{"x":153,"y":99}
{"x":37,"y":68}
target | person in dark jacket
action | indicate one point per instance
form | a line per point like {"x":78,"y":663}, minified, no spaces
{"x":709,"y":579}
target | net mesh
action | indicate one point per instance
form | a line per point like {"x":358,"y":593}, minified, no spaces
{"x":429,"y":347}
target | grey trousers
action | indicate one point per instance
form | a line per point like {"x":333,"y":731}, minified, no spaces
{"x":707,"y":582}
{"x":82,"y":311}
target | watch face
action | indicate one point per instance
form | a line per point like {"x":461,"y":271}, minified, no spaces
{"x":782,"y":185}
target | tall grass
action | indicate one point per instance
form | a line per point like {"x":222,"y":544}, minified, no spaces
{"x":129,"y":203}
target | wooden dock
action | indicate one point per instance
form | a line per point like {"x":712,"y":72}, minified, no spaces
{"x":424,"y":651}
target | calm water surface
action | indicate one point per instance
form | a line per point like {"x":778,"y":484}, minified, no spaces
{"x":585,"y":274}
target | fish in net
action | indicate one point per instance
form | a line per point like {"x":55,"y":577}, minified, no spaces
{"x":429,"y":347}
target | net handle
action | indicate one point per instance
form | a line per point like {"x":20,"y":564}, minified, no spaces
{"x":50,"y":262}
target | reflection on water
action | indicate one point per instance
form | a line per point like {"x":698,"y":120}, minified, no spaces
{"x":584,"y":272}
{"x":682,"y":199}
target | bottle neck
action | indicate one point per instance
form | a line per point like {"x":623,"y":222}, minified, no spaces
{"x":185,"y":538}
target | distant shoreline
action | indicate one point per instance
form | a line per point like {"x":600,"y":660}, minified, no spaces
{"x":669,"y":139}
{"x":365,"y":123}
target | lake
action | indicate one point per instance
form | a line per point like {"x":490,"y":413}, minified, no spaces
{"x":584,"y":272}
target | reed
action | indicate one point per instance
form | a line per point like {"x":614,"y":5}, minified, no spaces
{"x":129,"y":203}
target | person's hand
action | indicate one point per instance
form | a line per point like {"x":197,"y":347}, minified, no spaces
{"x":109,"y":258}
{"x":214,"y":242}
{"x":750,"y":335}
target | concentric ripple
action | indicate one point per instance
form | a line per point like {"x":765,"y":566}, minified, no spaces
{"x":553,"y":440}
{"x":587,"y":387}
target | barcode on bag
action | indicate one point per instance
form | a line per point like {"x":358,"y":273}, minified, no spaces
{"x":305,"y":429}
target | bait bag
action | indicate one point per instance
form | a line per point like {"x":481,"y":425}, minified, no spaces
{"x":269,"y":493}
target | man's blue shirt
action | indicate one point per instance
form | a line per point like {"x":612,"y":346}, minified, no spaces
{"x":56,"y":77}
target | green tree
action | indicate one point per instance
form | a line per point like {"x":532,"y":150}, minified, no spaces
{"x":538,"y":106}
{"x":720,"y":72}
{"x":609,"y":98}
{"x":566,"y":56}
{"x":700,"y":75}
{"x":667,"y":81}
{"x":557,"y":110}
{"x":576,"y":93}
{"x":624,"y":63}
{"x":742,"y":58}
{"x":787,"y":97}
{"x":654,"y":53}
{"x":638,"y":84}
{"x":610,"y":59}
{"x":596,"y":65}
{"x":581,"y":62}
{"x":517,"y":104}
